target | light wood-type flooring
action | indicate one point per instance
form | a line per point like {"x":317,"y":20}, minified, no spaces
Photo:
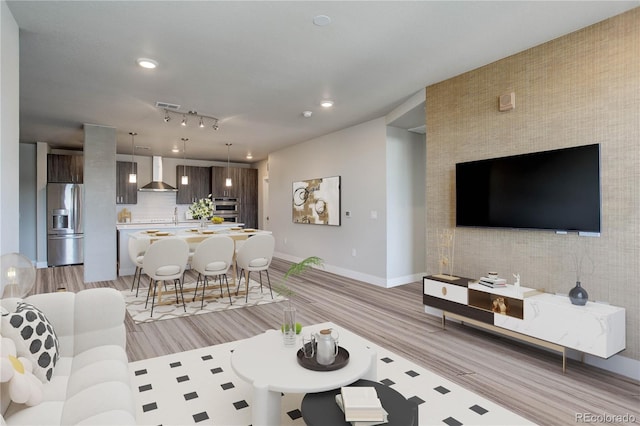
{"x":522,"y":378}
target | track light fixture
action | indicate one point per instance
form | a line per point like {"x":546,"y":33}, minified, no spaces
{"x":187,"y":115}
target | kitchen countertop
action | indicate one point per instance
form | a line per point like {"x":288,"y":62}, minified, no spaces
{"x":181,"y":225}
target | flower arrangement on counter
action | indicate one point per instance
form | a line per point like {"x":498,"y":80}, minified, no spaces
{"x":203,"y":208}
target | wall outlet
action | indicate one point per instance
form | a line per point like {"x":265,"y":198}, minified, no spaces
{"x":347,"y":213}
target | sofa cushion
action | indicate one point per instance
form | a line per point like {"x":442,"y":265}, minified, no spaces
{"x":43,"y":414}
{"x":34,"y":337}
{"x":98,"y":399}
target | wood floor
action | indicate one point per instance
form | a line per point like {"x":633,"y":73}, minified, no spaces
{"x":524,"y":379}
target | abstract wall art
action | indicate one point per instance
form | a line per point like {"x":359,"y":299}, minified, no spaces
{"x":317,"y":201}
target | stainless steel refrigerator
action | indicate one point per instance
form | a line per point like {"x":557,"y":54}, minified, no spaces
{"x":65,"y":230}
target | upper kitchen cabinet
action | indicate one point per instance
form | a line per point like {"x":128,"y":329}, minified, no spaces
{"x":199,"y":185}
{"x":126,"y":192}
{"x":244,"y":187}
{"x":65,"y":168}
{"x":218,"y":178}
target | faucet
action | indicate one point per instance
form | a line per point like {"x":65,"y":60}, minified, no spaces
{"x":175,"y":215}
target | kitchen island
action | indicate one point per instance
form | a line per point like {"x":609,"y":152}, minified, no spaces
{"x":125,"y":266}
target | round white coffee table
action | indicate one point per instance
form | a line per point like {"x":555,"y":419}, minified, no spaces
{"x":272,"y":368}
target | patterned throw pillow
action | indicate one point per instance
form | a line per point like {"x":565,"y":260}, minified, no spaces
{"x":34,"y":337}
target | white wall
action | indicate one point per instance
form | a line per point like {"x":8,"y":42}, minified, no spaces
{"x":405,"y":206}
{"x":9,"y":131}
{"x":28,"y":197}
{"x":357,"y":154}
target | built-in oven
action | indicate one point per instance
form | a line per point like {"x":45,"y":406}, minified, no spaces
{"x":222,"y":205}
{"x":229,"y":217}
{"x":226,"y":208}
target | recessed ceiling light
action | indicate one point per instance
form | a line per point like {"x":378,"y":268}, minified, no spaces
{"x":175,"y":149}
{"x":326,"y":104}
{"x":147,"y":63}
{"x":321,"y":20}
{"x":249,"y":156}
{"x":306,"y":114}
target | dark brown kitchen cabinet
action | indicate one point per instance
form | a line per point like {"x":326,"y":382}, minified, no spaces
{"x":248,"y":195}
{"x":199,"y":185}
{"x":244,"y":187}
{"x":63,"y":168}
{"x":126,"y":192}
{"x":218,"y":181}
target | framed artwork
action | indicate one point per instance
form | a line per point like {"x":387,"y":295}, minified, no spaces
{"x":317,"y":201}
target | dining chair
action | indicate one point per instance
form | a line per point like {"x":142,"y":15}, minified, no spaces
{"x":212,"y":258}
{"x":137,"y":248}
{"x":166,"y":260}
{"x":255,"y":256}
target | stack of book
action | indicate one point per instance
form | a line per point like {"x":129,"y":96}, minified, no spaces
{"x":361,"y":406}
{"x":493,"y":282}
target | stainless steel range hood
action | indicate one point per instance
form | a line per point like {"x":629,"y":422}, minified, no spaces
{"x":157,"y":185}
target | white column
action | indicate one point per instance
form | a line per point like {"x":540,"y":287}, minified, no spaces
{"x":99,"y":203}
{"x":9,"y":131}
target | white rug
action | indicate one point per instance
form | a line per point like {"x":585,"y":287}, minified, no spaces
{"x":140,"y":314}
{"x":199,"y":386}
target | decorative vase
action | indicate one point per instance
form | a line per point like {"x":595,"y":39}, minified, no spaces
{"x":289,"y":326}
{"x":578,"y":295}
{"x":203,"y":224}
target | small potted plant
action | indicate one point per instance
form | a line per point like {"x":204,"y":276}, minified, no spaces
{"x":289,"y":326}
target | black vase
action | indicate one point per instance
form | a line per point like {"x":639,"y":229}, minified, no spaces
{"x":578,"y":295}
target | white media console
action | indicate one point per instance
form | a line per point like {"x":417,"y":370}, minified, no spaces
{"x":544,"y":319}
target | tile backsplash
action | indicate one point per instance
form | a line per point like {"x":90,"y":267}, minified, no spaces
{"x":154,"y":206}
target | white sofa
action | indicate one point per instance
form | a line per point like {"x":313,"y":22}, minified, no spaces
{"x":90,"y":383}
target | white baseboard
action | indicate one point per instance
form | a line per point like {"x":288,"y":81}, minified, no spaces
{"x":355,"y":275}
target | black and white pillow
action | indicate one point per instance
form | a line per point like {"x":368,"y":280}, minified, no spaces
{"x":34,"y":337}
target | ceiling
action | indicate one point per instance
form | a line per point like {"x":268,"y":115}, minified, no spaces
{"x":256,"y":66}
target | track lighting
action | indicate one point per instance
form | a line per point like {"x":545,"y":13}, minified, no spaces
{"x":186,"y":115}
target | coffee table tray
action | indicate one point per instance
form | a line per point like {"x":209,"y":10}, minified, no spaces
{"x":341,"y":360}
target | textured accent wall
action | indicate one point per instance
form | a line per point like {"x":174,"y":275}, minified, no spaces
{"x":580,"y":89}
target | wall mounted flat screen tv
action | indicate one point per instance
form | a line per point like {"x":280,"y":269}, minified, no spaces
{"x":554,"y":190}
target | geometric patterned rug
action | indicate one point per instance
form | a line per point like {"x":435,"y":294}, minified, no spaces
{"x":200,"y":387}
{"x":140,"y":314}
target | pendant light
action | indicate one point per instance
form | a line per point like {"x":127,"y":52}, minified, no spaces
{"x":133,"y":177}
{"x":185,"y":178}
{"x":228,"y":181}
